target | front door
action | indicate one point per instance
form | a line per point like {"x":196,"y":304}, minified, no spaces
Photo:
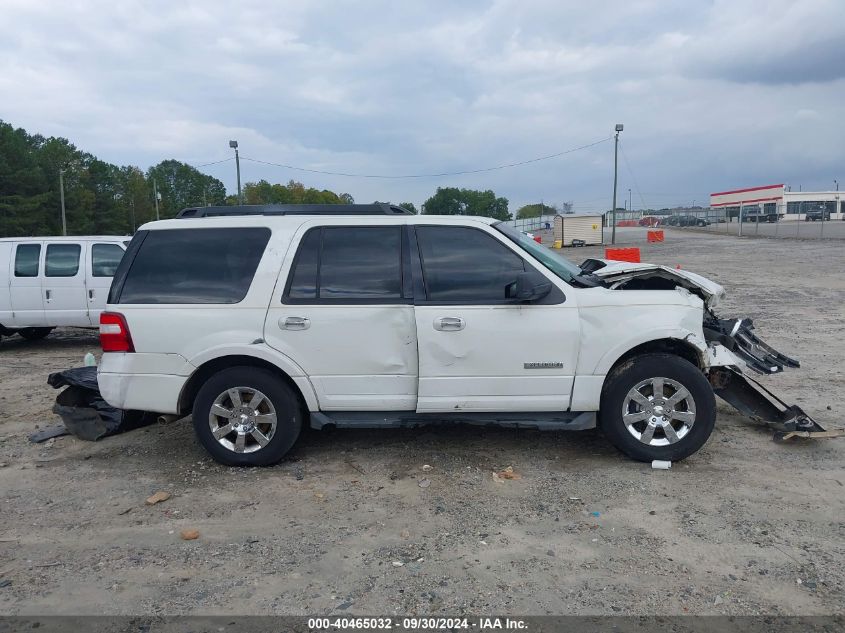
{"x":343,"y":311}
{"x":63,"y":284}
{"x":26,"y":270}
{"x":478,"y":350}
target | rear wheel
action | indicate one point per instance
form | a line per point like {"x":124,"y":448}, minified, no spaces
{"x":247,"y":416}
{"x":657,"y":406}
{"x":35,"y":333}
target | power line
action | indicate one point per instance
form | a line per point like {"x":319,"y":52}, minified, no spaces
{"x":438,"y":175}
{"x":636,"y":185}
{"x":216,"y":162}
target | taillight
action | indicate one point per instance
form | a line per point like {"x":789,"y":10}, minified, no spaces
{"x":114,"y":333}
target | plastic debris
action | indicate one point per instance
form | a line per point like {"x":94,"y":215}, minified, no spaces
{"x":426,"y":467}
{"x":89,"y":360}
{"x":507,"y":473}
{"x":425,"y":483}
{"x":595,"y":514}
{"x":189,"y":534}
{"x":158,"y":498}
{"x":49,"y":433}
{"x":397,"y":563}
{"x":659,"y":464}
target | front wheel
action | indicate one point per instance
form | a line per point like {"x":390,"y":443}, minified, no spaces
{"x":657,"y":406}
{"x":247,"y":416}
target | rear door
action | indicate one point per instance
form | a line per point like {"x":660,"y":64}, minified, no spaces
{"x":343,"y":310}
{"x":26,"y":266}
{"x":101,"y":262}
{"x":63,"y":284}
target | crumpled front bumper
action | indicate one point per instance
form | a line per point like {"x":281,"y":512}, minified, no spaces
{"x":746,"y":394}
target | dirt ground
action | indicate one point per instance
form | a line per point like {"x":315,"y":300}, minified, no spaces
{"x":352,"y":523}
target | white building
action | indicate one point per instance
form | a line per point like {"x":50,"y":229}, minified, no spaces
{"x":775,"y":199}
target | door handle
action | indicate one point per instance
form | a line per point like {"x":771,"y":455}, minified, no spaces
{"x":91,"y":293}
{"x":295,"y":323}
{"x":48,"y":294}
{"x":449,"y":324}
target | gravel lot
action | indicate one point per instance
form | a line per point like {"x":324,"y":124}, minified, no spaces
{"x":352,"y":523}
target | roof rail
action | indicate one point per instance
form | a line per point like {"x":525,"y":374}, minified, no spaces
{"x":293,"y":209}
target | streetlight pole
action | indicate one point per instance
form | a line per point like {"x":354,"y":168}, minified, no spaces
{"x":630,"y":201}
{"x":836,"y":182}
{"x":62,"y":197}
{"x":234,"y":145}
{"x":155,"y":197}
{"x":619,"y":128}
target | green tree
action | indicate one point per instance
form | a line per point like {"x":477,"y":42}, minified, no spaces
{"x":454,"y":201}
{"x":535,"y":211}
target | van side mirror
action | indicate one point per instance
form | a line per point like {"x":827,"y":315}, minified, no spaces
{"x":529,"y":286}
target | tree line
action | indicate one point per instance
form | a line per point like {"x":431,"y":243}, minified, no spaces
{"x":106,"y":199}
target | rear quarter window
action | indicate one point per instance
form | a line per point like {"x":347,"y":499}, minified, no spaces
{"x":194,"y":266}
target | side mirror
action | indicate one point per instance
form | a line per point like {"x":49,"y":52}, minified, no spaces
{"x":529,"y":286}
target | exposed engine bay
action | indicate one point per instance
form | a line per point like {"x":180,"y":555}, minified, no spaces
{"x":729,"y":382}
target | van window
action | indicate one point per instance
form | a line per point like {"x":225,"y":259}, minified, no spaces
{"x":194,"y":265}
{"x":26,"y":260}
{"x":104,"y":259}
{"x":348,"y":264}
{"x":62,"y":260}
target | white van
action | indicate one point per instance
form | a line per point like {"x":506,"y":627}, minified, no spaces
{"x":48,"y":282}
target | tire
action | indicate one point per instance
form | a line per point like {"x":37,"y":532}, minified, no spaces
{"x":278,"y":397}
{"x":696,"y":414}
{"x":35,"y":333}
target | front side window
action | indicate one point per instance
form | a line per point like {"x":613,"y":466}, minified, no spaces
{"x":194,"y":265}
{"x":104,"y":259}
{"x":62,"y":260}
{"x":347,"y":264}
{"x":26,"y":260}
{"x":462,"y":264}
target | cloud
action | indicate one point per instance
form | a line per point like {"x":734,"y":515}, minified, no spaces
{"x":713,"y":95}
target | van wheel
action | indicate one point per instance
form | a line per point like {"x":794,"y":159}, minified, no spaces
{"x":246,"y":416}
{"x":35,"y":333}
{"x":657,"y":406}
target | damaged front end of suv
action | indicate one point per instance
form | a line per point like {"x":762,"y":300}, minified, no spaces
{"x":732,"y":347}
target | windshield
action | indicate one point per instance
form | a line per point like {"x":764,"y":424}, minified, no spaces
{"x":558,"y":264}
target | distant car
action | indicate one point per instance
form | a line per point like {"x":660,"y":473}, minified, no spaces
{"x":816,"y":214}
{"x":649,"y":220}
{"x":688,"y":220}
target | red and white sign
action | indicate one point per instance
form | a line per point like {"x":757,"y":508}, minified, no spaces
{"x":752,"y":195}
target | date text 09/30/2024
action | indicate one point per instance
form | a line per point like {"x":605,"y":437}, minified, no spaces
{"x":417,"y":624}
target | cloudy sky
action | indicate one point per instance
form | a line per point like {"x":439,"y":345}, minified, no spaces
{"x":713,"y":95}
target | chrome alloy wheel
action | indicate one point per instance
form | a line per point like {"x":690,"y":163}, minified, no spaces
{"x":242,"y":419}
{"x":658,"y":411}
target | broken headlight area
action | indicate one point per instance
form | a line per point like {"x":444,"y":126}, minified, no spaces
{"x":738,"y":336}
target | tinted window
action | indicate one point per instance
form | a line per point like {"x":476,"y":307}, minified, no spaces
{"x":26,"y":260}
{"x":62,"y":260}
{"x":303,"y":281}
{"x":195,"y":265}
{"x":465,"y":264}
{"x":348,"y":263}
{"x":104,"y":259}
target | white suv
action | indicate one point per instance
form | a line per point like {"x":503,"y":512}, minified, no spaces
{"x":263,"y":319}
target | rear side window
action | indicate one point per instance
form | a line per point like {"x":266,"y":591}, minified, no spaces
{"x":348,"y":264}
{"x":104,"y":259}
{"x":194,"y":265}
{"x":26,"y":260}
{"x":463,"y":264}
{"x":62,"y":260}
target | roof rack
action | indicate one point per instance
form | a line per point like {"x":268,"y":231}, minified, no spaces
{"x":293,"y":209}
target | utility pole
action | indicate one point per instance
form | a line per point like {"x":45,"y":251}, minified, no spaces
{"x":62,"y":196}
{"x":630,"y":201}
{"x":619,"y":128}
{"x":234,"y":145}
{"x":155,"y":197}
{"x":836,"y":182}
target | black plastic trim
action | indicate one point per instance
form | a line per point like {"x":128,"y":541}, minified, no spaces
{"x":292,"y":209}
